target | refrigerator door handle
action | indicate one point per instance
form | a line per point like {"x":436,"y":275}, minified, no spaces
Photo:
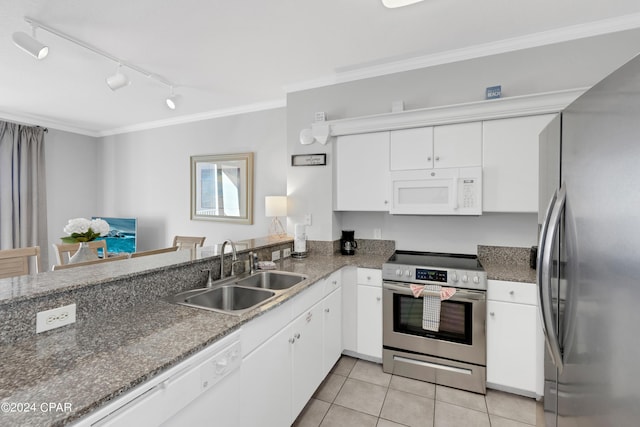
{"x":547,"y":242}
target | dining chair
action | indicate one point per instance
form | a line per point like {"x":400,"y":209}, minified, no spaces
{"x":15,"y":262}
{"x":64,"y":251}
{"x":154,"y":251}
{"x":188,"y":242}
{"x":92,"y":262}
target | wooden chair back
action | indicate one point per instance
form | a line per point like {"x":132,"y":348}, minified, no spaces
{"x":92,"y":262}
{"x":188,"y":242}
{"x":154,"y":251}
{"x":64,"y":251}
{"x":15,"y":262}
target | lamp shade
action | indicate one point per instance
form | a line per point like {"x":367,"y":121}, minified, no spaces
{"x":275,"y":206}
{"x":30,"y":45}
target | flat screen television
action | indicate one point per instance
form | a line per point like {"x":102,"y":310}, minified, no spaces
{"x":122,"y":234}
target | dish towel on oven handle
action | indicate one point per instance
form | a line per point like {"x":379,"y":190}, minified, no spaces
{"x":431,"y":304}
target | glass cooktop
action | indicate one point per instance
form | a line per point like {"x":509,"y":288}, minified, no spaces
{"x":436,"y":260}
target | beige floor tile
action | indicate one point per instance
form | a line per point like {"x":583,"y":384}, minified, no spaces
{"x":370,"y":372}
{"x":408,"y":409}
{"x":449,"y":415}
{"x":312,"y":414}
{"x":511,"y":406}
{"x":461,"y":398}
{"x":497,"y":421}
{"x":540,"y":421}
{"x":361,"y":396}
{"x":330,"y":387}
{"x":409,"y":385}
{"x":344,"y":365}
{"x":339,"y":416}
{"x":386,"y":423}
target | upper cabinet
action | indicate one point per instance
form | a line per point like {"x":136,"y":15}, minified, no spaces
{"x":510,"y":163}
{"x":362,"y":172}
{"x":448,"y":146}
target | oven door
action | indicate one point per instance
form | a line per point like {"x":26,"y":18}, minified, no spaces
{"x":462,"y":324}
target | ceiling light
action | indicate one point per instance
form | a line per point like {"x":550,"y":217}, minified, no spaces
{"x":30,"y":45}
{"x":118,"y":80}
{"x":172,"y":100}
{"x":391,"y":4}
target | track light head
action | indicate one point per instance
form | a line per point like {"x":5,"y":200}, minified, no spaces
{"x":118,"y":80}
{"x":30,"y":45}
{"x":172,"y":100}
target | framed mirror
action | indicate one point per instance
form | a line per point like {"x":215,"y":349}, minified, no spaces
{"x":222,"y":188}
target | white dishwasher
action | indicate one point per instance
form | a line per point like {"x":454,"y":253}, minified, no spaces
{"x":203,"y":390}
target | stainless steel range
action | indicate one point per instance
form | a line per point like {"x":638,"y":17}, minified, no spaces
{"x":453,"y":355}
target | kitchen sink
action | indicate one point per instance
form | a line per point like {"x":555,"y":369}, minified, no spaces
{"x":228,"y":298}
{"x":277,"y":280}
{"x":236,"y":295}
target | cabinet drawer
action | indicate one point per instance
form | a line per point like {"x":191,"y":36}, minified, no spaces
{"x":369,"y":276}
{"x":331,"y":283}
{"x":517,"y":292}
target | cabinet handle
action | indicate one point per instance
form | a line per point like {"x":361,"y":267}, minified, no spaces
{"x":429,"y":158}
{"x":437,"y":158}
{"x":326,"y":310}
{"x":335,"y":282}
{"x":511,"y":292}
{"x":492,"y":313}
{"x":297,"y":336}
{"x":378,"y":298}
{"x":292,"y":340}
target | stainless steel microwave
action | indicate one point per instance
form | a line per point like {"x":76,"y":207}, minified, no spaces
{"x":449,"y":191}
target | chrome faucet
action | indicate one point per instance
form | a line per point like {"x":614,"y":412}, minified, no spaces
{"x":234,"y":257}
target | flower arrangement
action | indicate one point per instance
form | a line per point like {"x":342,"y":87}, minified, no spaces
{"x":85,"y":230}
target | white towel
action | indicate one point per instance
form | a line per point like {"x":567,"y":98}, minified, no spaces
{"x":431,"y":304}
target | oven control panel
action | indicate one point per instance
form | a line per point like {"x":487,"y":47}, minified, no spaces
{"x":449,"y":277}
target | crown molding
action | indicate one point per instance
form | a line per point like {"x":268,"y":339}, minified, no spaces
{"x":31,"y":120}
{"x":516,"y":106}
{"x":565,"y":34}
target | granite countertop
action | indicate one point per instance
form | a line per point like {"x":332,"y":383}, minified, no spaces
{"x":506,"y":263}
{"x":83,"y":366}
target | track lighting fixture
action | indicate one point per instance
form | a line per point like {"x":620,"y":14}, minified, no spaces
{"x":118,"y":80}
{"x":172,"y":100}
{"x":30,"y":44}
{"x":392,"y":4}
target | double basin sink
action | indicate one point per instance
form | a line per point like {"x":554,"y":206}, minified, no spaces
{"x":238,"y":295}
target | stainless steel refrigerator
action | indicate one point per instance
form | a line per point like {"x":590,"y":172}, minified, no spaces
{"x":589,"y":256}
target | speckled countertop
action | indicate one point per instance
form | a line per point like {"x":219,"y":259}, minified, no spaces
{"x":85,"y":365}
{"x":507,"y":263}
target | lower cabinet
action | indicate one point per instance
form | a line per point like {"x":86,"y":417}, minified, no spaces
{"x":279,"y":376}
{"x":515,"y":344}
{"x":369,"y":314}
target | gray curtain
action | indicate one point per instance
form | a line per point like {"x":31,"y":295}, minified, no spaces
{"x":23,"y":200}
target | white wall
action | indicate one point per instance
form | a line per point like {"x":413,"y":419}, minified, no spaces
{"x":147,"y":174}
{"x":74,"y":180}
{"x":575,"y":64}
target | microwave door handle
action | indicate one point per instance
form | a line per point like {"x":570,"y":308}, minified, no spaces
{"x":548,"y":240}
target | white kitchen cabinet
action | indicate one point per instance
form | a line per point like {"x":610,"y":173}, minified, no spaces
{"x":411,"y":149}
{"x":307,"y":357}
{"x":332,"y":330}
{"x":458,"y":145}
{"x":361,"y":172}
{"x":447,"y":146}
{"x":515,"y":344}
{"x":510,"y":163}
{"x":369,"y":314}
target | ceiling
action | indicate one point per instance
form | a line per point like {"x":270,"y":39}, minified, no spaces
{"x":232,"y":56}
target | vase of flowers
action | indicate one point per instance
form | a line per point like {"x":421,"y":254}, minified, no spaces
{"x":83,"y":231}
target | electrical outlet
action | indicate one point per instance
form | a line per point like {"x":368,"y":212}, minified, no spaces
{"x":55,"y":318}
{"x":377,"y":233}
{"x":275,"y":255}
{"x":286,"y":252}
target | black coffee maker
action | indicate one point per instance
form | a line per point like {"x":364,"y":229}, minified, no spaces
{"x":348,"y":244}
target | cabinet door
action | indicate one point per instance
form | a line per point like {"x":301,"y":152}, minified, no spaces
{"x":457,"y":146}
{"x":307,"y":358}
{"x":411,"y":149}
{"x":332,"y":330}
{"x":369,"y":326}
{"x":510,"y":163}
{"x":265,"y":383}
{"x":349,"y":309}
{"x":362,"y":170}
{"x":512,"y":345}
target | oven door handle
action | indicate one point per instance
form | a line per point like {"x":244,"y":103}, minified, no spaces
{"x":460,"y":295}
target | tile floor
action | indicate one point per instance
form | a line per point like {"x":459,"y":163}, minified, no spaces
{"x":357,"y":393}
